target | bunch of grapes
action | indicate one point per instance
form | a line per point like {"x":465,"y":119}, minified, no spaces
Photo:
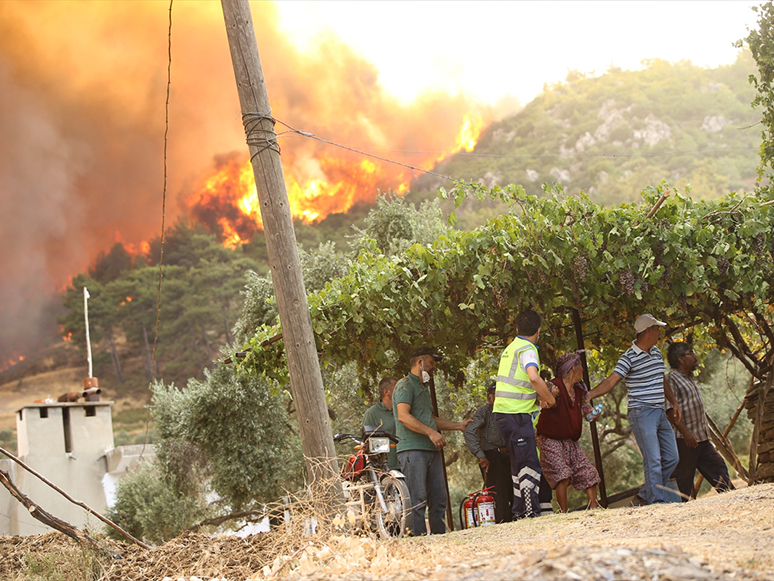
{"x":723,"y":265}
{"x":580,"y":266}
{"x":626,"y":279}
{"x":500,"y":297}
{"x":758,"y":245}
{"x":659,"y":251}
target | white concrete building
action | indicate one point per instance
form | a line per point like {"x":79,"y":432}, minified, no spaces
{"x":71,"y":444}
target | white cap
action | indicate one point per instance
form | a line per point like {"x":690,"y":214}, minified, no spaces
{"x":645,"y":322}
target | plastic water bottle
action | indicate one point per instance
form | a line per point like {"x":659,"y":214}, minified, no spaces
{"x":594,"y":413}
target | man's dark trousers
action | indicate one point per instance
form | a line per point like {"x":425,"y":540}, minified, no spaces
{"x":499,"y":476}
{"x":707,"y":461}
{"x":423,"y":470}
{"x":518,"y":432}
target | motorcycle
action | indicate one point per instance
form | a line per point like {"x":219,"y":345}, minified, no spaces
{"x":376,"y":495}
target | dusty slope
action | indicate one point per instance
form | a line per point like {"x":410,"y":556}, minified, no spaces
{"x":717,"y":537}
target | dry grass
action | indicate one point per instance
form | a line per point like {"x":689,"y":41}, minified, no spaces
{"x":717,"y":537}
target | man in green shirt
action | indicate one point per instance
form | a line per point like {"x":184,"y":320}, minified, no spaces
{"x":420,"y":442}
{"x":380,"y":416}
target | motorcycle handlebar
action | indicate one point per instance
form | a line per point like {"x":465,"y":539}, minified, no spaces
{"x":359,"y":439}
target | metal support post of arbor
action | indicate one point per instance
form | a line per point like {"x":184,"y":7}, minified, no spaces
{"x":449,"y":511}
{"x":576,"y":320}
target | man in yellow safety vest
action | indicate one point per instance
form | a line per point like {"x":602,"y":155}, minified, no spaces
{"x":516,"y":409}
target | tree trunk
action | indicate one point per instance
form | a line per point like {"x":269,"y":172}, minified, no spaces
{"x":147,"y":360}
{"x":195,"y":346}
{"x":229,"y":337}
{"x":760,"y":410}
{"x":114,"y":354}
{"x":208,"y":346}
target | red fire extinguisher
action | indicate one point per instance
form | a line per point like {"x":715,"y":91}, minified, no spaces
{"x":470,"y":512}
{"x":478,"y":509}
{"x":485,"y":507}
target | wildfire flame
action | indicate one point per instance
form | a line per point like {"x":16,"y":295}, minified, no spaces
{"x":15,"y":360}
{"x":227,"y":202}
{"x":469,"y":133}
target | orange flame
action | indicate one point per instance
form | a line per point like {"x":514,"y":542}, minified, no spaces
{"x":231,"y":238}
{"x":15,"y":360}
{"x":227,"y":202}
{"x":469,"y":133}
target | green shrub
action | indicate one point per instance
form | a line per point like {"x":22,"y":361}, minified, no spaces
{"x":148,"y":507}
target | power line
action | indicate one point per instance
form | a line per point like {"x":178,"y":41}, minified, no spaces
{"x":355,"y":150}
{"x":363,"y":150}
{"x":656,"y":154}
{"x":163,"y":196}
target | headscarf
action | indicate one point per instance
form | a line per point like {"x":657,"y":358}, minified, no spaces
{"x":566,"y":361}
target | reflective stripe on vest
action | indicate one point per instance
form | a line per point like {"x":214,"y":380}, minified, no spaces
{"x":510,"y":395}
{"x":514,"y":392}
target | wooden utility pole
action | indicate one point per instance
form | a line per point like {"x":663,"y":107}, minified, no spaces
{"x":305,"y":379}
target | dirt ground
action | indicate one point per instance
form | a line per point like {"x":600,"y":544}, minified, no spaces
{"x":728,"y":536}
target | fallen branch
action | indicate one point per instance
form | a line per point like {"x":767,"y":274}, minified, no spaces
{"x":730,"y":425}
{"x":217,"y":521}
{"x":71,"y":499}
{"x":727,"y":450}
{"x":49,"y":519}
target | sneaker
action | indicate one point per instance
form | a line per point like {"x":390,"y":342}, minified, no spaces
{"x":639,"y":501}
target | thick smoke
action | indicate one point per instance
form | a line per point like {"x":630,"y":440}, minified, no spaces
{"x":82,"y":91}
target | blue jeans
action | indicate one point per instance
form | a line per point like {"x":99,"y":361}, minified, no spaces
{"x":424,"y":478}
{"x":656,"y":439}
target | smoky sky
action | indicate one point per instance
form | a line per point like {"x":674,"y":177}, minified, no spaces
{"x":82,"y":112}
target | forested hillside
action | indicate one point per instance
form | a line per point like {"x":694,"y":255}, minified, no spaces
{"x":614,"y":134}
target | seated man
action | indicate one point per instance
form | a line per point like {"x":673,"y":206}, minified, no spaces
{"x":380,"y":416}
{"x":487,"y":445}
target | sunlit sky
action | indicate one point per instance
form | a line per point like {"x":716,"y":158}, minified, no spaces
{"x":492,"y":50}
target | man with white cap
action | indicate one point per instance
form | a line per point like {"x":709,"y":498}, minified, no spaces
{"x":642,"y":368}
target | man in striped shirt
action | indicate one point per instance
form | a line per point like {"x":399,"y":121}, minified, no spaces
{"x":642,"y":369}
{"x":693,"y":433}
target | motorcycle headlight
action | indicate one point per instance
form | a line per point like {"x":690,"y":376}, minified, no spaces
{"x":379,"y":445}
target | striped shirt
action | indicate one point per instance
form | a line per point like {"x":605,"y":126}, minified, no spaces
{"x":688,"y":397}
{"x":643,"y":373}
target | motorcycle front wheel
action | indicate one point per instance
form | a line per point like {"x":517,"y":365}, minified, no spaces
{"x":392,"y":522}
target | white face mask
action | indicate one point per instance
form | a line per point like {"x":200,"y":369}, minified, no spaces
{"x":424,"y":376}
